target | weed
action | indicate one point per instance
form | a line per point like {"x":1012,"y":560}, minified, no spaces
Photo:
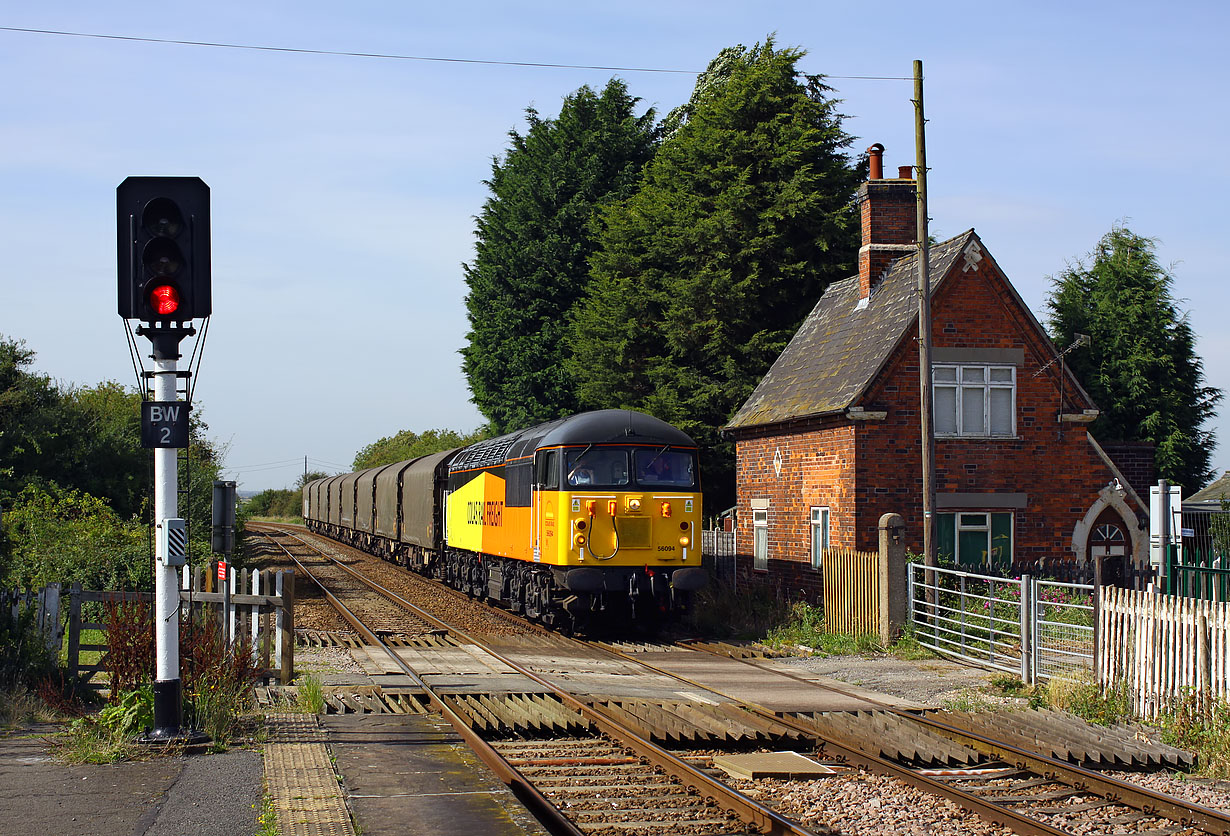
{"x":908,"y":647}
{"x":218,"y":680}
{"x":20,"y":707}
{"x":129,"y":713}
{"x":310,"y":696}
{"x":804,"y":626}
{"x":130,"y":642}
{"x":1207,"y":733}
{"x":267,"y":821}
{"x":967,"y":701}
{"x":1081,"y":695}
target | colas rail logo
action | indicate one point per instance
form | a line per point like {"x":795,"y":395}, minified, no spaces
{"x":490,"y":512}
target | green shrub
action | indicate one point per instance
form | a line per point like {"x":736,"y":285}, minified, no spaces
{"x":130,"y":712}
{"x":1205,"y":733}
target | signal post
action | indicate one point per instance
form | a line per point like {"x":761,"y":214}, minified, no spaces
{"x":164,"y":282}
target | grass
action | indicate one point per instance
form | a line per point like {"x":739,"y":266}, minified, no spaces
{"x":19,"y":708}
{"x":1205,"y":733}
{"x":310,"y":696}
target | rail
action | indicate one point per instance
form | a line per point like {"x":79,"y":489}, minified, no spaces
{"x":763,"y":819}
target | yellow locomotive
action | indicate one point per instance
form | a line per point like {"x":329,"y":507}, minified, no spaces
{"x":597,"y":513}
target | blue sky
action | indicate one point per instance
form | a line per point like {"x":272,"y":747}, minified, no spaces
{"x":344,"y":189}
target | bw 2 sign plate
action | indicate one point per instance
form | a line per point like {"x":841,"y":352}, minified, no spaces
{"x":164,"y":423}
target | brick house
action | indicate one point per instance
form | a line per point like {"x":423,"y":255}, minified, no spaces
{"x":830,"y":438}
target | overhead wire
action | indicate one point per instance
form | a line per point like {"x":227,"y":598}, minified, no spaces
{"x":390,"y":56}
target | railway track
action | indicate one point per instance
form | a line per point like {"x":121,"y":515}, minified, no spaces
{"x":1029,"y":791}
{"x":721,"y":810}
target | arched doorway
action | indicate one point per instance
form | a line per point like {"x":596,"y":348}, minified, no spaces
{"x":1109,"y":540}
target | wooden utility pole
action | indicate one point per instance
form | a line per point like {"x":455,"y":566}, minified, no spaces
{"x":924,"y":331}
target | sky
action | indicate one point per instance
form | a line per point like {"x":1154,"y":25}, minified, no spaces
{"x":344,"y":189}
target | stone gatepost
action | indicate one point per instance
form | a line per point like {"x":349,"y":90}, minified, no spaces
{"x":894,"y":608}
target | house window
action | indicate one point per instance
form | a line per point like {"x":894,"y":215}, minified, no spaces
{"x":819,"y":535}
{"x":975,"y":539}
{"x":760,"y":540}
{"x":974,"y":400}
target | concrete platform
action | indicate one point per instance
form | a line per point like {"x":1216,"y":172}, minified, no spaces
{"x":411,"y":775}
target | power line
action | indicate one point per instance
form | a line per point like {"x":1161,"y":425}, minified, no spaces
{"x":391,"y":56}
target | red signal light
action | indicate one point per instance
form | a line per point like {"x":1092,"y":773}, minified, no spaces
{"x":164,"y":299}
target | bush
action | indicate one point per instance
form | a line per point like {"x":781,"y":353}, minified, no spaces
{"x":24,"y":657}
{"x":65,"y":536}
{"x":218,"y":681}
{"x":130,"y":639}
{"x":1205,"y":733}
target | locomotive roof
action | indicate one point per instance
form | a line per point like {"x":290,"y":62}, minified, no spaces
{"x":604,"y":426}
{"x":615,"y":426}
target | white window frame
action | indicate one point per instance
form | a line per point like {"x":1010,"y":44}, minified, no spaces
{"x":821,"y":520}
{"x":760,"y":539}
{"x":962,"y":388}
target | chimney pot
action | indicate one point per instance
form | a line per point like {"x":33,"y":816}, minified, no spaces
{"x":905,"y":172}
{"x":875,"y":156}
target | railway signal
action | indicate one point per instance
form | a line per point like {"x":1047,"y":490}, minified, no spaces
{"x":163,"y":249}
{"x":162,"y":226}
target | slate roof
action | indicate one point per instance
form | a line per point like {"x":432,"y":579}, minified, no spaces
{"x":1213,"y":492}
{"x":839,"y":349}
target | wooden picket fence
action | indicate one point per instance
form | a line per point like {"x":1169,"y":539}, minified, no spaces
{"x":851,"y":591}
{"x":260,"y":605}
{"x":44,"y":604}
{"x":1163,"y":649}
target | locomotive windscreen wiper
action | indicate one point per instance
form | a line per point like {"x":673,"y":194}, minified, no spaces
{"x":655,"y":458}
{"x":572,"y":471}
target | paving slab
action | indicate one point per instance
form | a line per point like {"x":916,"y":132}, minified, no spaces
{"x":206,"y":795}
{"x":412,"y":775}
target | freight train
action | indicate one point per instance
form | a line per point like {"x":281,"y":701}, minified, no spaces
{"x":587,"y":519}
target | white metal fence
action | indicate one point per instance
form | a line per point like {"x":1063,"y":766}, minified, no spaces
{"x":1031,"y":627}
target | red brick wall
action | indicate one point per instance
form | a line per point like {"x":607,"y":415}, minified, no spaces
{"x":1137,"y":463}
{"x":863,"y":469}
{"x":1051,"y":462}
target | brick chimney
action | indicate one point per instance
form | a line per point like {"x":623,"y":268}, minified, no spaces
{"x":889,"y":210}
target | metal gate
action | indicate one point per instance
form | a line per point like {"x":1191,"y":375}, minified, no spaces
{"x":1027,"y":626}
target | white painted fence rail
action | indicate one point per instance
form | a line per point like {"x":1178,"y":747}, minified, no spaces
{"x":1163,"y":648}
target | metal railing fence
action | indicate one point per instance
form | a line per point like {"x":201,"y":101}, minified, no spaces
{"x":1027,"y":626}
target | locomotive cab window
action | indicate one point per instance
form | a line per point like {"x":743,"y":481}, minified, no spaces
{"x":602,"y":467}
{"x":548,"y":470}
{"x":665,"y":468}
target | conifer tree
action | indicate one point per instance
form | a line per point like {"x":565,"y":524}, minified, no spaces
{"x":744,"y":216}
{"x":1141,"y":366}
{"x":534,"y":242}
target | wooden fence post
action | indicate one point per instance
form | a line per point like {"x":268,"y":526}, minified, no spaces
{"x":74,"y":631}
{"x":49,"y":618}
{"x":286,"y":635}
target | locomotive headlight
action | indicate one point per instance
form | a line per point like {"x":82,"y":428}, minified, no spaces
{"x":580,"y":541}
{"x":684,"y":541}
{"x":580,"y":525}
{"x":634,"y":503}
{"x":666,"y":509}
